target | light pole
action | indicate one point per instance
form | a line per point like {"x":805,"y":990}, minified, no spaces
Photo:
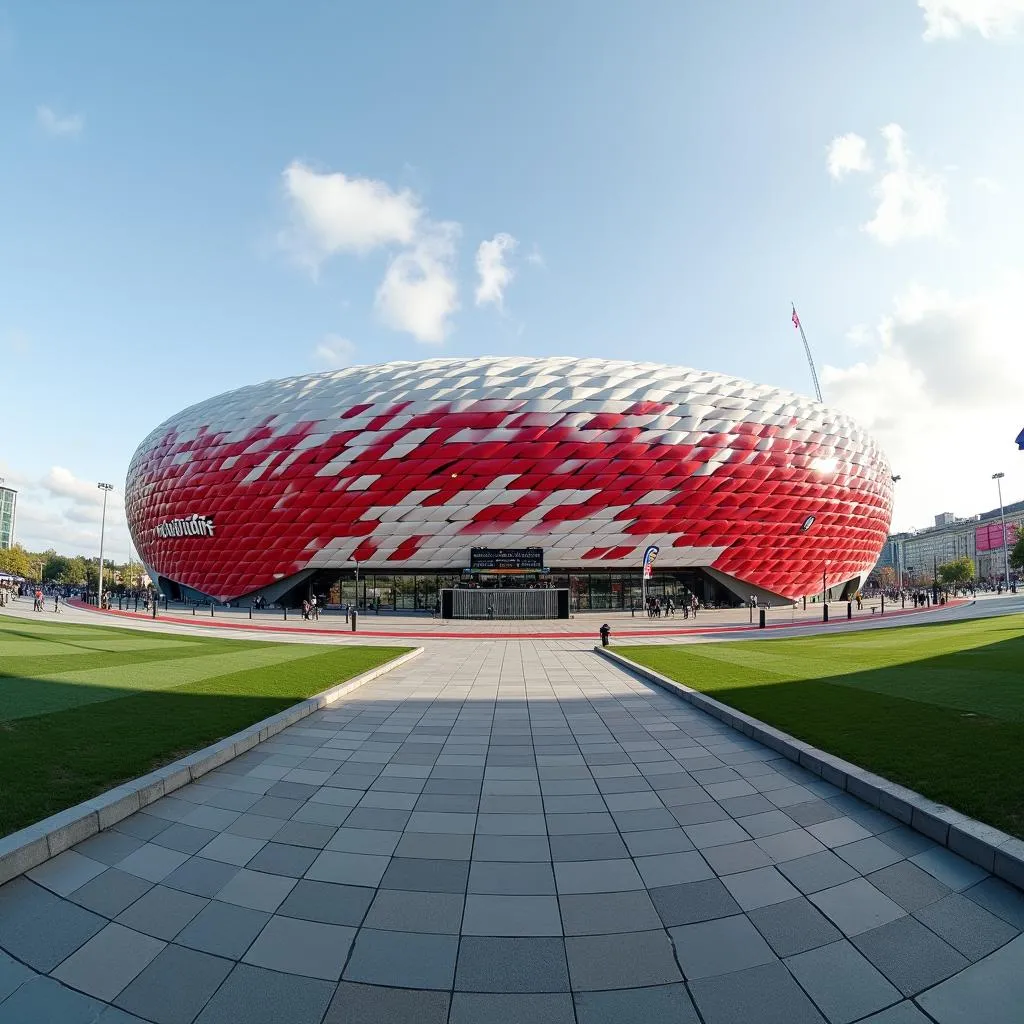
{"x":998,"y":477}
{"x":896,"y":478}
{"x":106,"y":489}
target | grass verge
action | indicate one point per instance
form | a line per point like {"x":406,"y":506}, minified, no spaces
{"x":937,"y":708}
{"x":84,"y":708}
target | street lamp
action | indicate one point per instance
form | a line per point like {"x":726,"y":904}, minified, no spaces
{"x":106,"y":489}
{"x":998,"y":477}
{"x":896,"y":478}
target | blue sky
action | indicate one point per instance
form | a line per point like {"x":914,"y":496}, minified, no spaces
{"x":672,"y":175}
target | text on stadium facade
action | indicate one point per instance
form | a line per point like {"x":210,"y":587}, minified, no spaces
{"x":193,"y":526}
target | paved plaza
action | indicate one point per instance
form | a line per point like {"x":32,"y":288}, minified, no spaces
{"x":501,"y":832}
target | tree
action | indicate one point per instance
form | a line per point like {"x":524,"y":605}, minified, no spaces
{"x":1017,"y":552}
{"x":957,"y":573}
{"x":16,"y":561}
{"x":55,"y":569}
{"x":886,"y":577}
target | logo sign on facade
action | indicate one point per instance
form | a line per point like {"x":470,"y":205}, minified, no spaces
{"x":191,"y":526}
{"x":650,"y":557}
{"x":510,"y":560}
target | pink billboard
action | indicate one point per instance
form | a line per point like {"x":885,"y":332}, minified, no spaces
{"x":990,"y":538}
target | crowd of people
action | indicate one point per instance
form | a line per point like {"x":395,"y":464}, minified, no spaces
{"x":688,"y":605}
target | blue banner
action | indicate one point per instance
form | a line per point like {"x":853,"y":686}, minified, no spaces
{"x":1020,"y":440}
{"x":650,"y":555}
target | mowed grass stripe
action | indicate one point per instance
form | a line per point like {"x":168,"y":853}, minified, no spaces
{"x":74,"y":751}
{"x":23,"y":694}
{"x":937,"y":708}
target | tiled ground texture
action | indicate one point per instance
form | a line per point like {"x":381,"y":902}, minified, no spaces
{"x":504,"y":832}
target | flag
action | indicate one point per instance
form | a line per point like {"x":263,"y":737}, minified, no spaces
{"x":796,"y":319}
{"x":649,"y":558}
{"x":1020,"y":440}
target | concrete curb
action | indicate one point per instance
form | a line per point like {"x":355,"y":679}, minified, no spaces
{"x":988,"y":847}
{"x":21,"y":851}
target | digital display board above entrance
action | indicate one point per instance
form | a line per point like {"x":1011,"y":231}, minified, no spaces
{"x":508,"y":560}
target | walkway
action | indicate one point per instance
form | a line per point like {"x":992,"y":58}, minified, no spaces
{"x":502,"y":832}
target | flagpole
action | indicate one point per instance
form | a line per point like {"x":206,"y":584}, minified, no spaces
{"x":807,"y":349}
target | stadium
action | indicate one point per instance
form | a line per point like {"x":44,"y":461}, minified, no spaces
{"x":387,"y":484}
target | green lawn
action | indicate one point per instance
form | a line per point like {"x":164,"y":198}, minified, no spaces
{"x":83,"y":708}
{"x":938,"y":708}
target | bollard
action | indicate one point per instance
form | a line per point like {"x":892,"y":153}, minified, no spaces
{"x":883,"y":604}
{"x":903,"y":600}
{"x":353,"y":620}
{"x":849,"y":609}
{"x":211,"y":609}
{"x":250,"y":611}
{"x":763,"y":616}
{"x":285,"y":612}
{"x":154,"y":607}
{"x":193,"y":611}
{"x":824,"y":613}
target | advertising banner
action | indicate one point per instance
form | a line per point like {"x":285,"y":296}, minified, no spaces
{"x":650,"y":556}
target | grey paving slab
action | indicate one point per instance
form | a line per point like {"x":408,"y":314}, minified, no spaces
{"x":759,"y":888}
{"x":692,"y":902}
{"x":991,"y":990}
{"x":528,"y":965}
{"x":909,"y":886}
{"x":622,"y":960}
{"x":636,"y":1006}
{"x":108,"y":961}
{"x":766,"y":993}
{"x":902,"y":1013}
{"x":911,"y":956}
{"x":66,"y":872}
{"x":966,"y":926}
{"x":45,"y":1001}
{"x":597,"y":876}
{"x":596,"y":914}
{"x":309,"y":948}
{"x":425,"y":875}
{"x":373,"y":1004}
{"x":110,"y":892}
{"x":175,"y":986}
{"x":511,"y":915}
{"x":187,"y":838}
{"x":999,"y":898}
{"x":719,"y":946}
{"x":12,"y":975}
{"x":403,"y":959}
{"x":948,"y":868}
{"x":856,"y":906}
{"x":40,"y":929}
{"x":404,"y":911}
{"x":841,"y":982}
{"x":502,"y":1008}
{"x":201,"y":877}
{"x":162,"y":912}
{"x":223,"y":929}
{"x":254,"y":995}
{"x":794,"y":926}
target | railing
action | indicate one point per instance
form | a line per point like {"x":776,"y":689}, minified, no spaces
{"x":505,"y":604}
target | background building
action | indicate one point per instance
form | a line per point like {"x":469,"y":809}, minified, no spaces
{"x":979,"y":538}
{"x":8,"y":509}
{"x":403,"y":469}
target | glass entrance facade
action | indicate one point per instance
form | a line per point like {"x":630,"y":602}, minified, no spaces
{"x":588,"y":590}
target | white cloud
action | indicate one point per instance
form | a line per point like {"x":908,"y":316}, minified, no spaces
{"x":937,"y":387}
{"x":334,"y":213}
{"x":494,"y":273}
{"x":334,"y":352}
{"x":419,"y":293}
{"x":57,"y":126}
{"x":912,"y":202}
{"x":62,"y":511}
{"x":848,"y":153}
{"x":947,"y":19}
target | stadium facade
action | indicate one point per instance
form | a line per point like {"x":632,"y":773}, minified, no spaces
{"x":399,"y":471}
